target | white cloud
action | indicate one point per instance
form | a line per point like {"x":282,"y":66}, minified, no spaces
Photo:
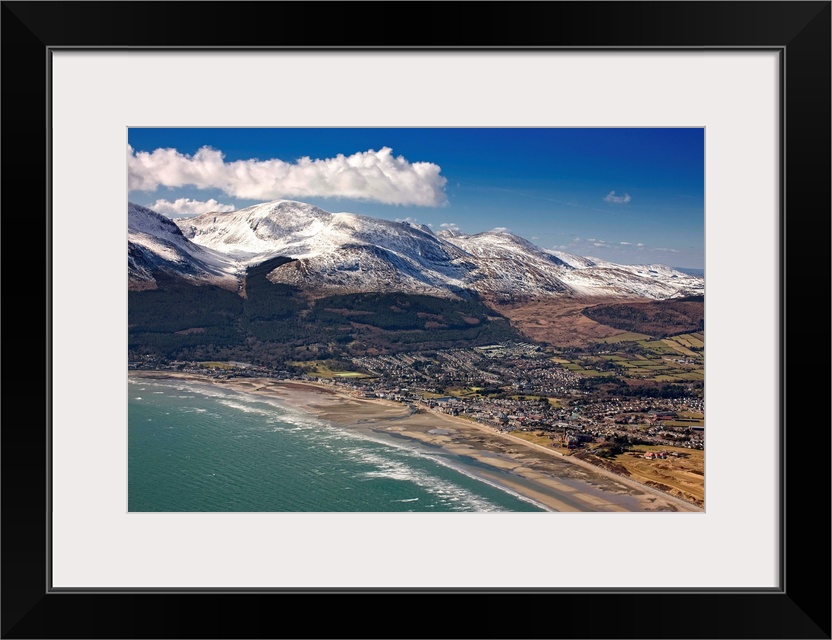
{"x":598,"y":244}
{"x":408,"y":219}
{"x":611,"y":197}
{"x":378,"y":176}
{"x":625,"y":243}
{"x":501,"y":229}
{"x":450,"y":226}
{"x":640,"y":244}
{"x":186,"y":206}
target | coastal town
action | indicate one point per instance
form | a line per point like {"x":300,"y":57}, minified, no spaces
{"x":516,"y":388}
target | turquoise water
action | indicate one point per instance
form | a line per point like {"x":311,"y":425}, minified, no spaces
{"x":196,"y":447}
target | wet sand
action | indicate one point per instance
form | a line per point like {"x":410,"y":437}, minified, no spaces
{"x":554,"y":481}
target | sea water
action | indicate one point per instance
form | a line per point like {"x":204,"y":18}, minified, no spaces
{"x":195,"y":447}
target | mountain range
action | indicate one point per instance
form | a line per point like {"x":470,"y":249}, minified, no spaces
{"x":345,"y":253}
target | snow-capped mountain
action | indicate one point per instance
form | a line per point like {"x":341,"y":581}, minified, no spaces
{"x":511,"y":265}
{"x":594,"y":277}
{"x":348,"y":253}
{"x":157,"y":249}
{"x":334,"y":252}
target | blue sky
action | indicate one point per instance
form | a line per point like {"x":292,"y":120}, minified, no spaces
{"x":626,"y":195}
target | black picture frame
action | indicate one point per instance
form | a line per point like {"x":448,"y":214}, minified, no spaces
{"x":799,"y":31}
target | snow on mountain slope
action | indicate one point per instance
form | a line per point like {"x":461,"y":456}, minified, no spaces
{"x":335,"y":252}
{"x":576,"y":262}
{"x":257,"y":233}
{"x":346,"y":252}
{"x":620,"y":282}
{"x":513,"y":265}
{"x":593,"y":277}
{"x":508,"y":265}
{"x":156,"y":248}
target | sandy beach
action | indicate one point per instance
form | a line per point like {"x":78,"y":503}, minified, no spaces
{"x":554,"y":481}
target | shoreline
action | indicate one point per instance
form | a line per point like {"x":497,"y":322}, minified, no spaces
{"x":541,"y":475}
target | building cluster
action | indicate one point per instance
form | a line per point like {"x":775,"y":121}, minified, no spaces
{"x":458,"y":382}
{"x":508,"y":386}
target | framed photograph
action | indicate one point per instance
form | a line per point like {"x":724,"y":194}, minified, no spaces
{"x":223,"y":117}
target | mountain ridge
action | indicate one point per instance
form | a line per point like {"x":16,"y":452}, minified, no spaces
{"x":332,"y":253}
{"x":157,"y":250}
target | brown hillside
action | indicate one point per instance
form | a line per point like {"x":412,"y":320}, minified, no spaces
{"x":657,"y":318}
{"x":556,"y":321}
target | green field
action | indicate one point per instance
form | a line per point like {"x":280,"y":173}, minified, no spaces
{"x":217,"y":365}
{"x":656,"y":360}
{"x":690,"y":340}
{"x":675,"y":344}
{"x":691,"y":375}
{"x":318,"y":368}
{"x":591,"y":373}
{"x":691,"y":415}
{"x":670,"y":347}
{"x":659,"y":347}
{"x":463,"y":392}
{"x":684,"y":423}
{"x":680,"y":376}
{"x":661,"y":370}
